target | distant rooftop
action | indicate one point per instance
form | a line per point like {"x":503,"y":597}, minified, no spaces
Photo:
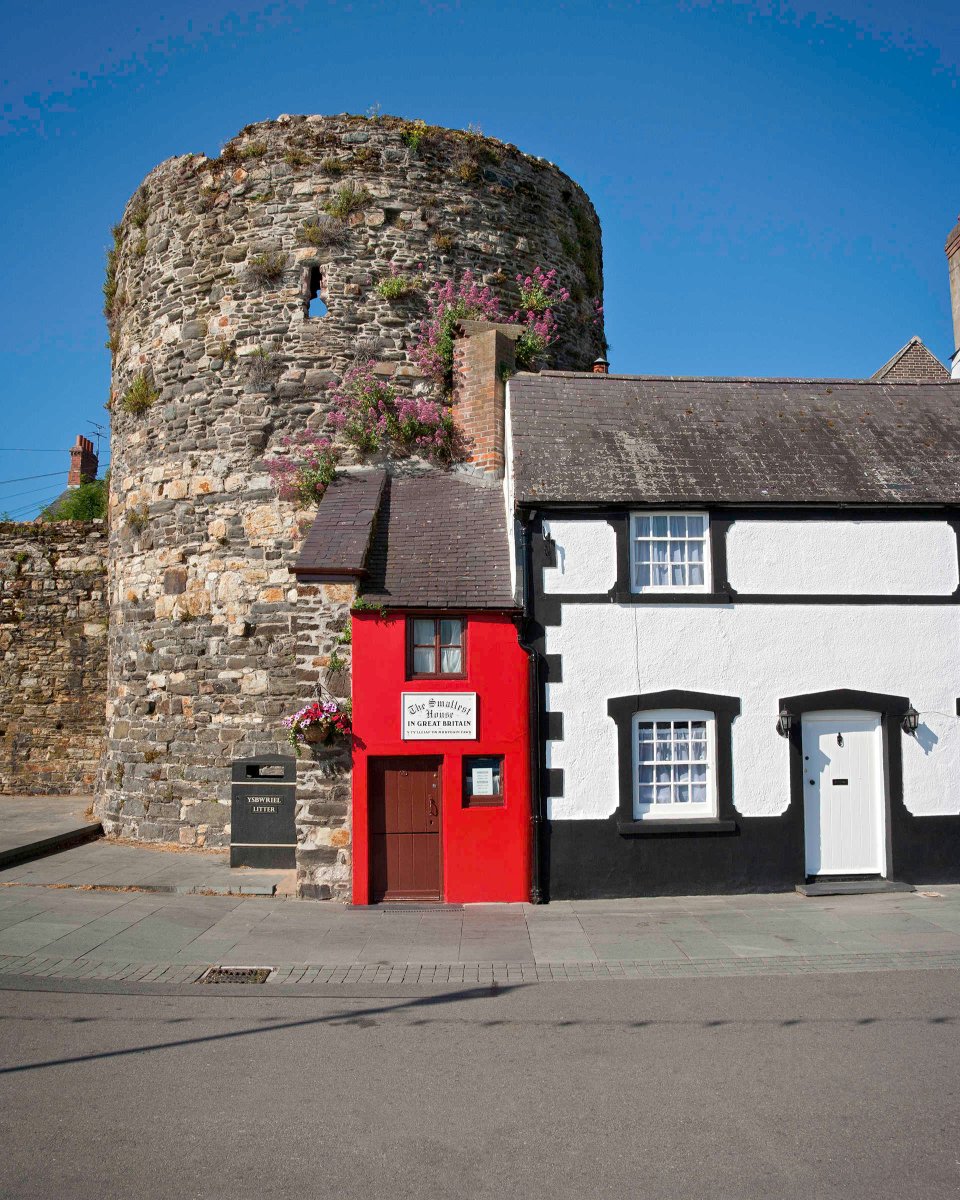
{"x":912,"y":363}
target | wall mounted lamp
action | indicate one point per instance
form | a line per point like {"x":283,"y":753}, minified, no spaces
{"x":784,"y":722}
{"x":909,"y":721}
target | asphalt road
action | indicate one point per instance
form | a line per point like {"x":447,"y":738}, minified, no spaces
{"x":816,"y":1087}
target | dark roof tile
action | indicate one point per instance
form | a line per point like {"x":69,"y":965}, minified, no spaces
{"x":440,"y":542}
{"x":340,"y":535}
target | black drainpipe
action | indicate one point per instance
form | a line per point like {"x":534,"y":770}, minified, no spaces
{"x":525,"y":627}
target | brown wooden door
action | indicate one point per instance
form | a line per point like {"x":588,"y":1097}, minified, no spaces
{"x":404,"y":815}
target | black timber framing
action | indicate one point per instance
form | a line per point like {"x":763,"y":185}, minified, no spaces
{"x":721,"y":518}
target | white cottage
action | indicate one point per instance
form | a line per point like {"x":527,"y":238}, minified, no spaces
{"x":745,"y":598}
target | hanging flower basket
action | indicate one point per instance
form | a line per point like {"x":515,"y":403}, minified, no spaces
{"x":321,"y":721}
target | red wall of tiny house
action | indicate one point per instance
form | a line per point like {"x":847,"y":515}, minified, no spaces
{"x":485,"y":850}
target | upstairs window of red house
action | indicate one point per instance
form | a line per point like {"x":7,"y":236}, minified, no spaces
{"x":435,"y":648}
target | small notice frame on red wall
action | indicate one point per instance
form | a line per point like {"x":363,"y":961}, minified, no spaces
{"x":483,"y":781}
{"x":439,"y":716}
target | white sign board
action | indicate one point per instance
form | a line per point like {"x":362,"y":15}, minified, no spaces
{"x":483,"y":781}
{"x":438,"y":716}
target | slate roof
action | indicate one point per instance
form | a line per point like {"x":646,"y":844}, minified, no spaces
{"x":420,"y":541}
{"x":340,"y":535}
{"x":441,"y":542}
{"x":912,"y":363}
{"x":583,"y":438}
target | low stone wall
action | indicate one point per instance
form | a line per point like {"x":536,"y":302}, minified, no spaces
{"x":53,"y":651}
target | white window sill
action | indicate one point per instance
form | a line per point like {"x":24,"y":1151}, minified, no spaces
{"x":697,"y":589}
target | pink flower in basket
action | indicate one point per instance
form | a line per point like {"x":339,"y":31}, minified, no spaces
{"x":321,"y":721}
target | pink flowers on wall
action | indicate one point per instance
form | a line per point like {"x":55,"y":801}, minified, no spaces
{"x":449,"y":303}
{"x":302,"y":474}
{"x":374,"y":417}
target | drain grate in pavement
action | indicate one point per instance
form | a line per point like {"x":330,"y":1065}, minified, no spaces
{"x":236,"y":975}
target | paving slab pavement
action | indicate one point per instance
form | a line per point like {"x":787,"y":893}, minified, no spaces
{"x":111,"y":864}
{"x":56,"y":932}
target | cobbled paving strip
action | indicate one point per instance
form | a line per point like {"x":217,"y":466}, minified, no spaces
{"x":37,"y":967}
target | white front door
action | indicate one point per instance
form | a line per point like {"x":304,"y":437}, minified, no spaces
{"x":843,"y":793}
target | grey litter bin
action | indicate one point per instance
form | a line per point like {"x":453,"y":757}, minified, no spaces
{"x":263,"y":799}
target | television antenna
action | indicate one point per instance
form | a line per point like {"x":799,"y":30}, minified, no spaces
{"x":99,"y":432}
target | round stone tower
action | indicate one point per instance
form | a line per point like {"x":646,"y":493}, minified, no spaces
{"x":218,"y":354}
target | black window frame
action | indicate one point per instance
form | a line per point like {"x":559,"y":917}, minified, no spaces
{"x":725,"y":709}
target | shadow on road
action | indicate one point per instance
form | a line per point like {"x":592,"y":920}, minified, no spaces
{"x":359,"y":1017}
{"x":364,"y":1018}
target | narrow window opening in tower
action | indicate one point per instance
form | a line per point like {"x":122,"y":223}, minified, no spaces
{"x":316,"y":305}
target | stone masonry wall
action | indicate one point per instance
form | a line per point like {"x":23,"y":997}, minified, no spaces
{"x":323,"y":650}
{"x":53,"y":682}
{"x":215,"y":362}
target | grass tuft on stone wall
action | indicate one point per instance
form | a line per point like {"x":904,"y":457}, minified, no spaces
{"x":328,"y":232}
{"x":347,"y":200}
{"x":267,"y":270}
{"x":140,"y":395}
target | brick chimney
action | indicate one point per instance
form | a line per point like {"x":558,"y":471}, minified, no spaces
{"x":953,"y":265}
{"x":484,"y":357}
{"x":83,"y":462}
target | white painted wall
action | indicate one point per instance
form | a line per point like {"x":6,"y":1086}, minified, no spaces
{"x":586,"y":558}
{"x":803,"y":558}
{"x":759,"y":653}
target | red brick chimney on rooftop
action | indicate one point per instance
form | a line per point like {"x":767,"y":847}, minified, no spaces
{"x":953,"y":264}
{"x":484,"y":357}
{"x":83,"y":462}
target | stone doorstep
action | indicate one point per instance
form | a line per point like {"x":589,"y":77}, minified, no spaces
{"x":852,"y":887}
{"x":405,"y":906}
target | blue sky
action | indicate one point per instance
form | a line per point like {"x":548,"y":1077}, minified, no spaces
{"x":775,"y":181}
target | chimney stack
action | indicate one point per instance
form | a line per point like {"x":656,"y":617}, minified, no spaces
{"x":83,"y":462}
{"x":601,"y":365}
{"x":484,"y":357}
{"x":953,"y":265}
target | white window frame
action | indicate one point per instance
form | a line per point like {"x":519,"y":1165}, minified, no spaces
{"x":676,"y":588}
{"x":675,"y":811}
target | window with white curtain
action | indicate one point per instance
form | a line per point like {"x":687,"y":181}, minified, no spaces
{"x":674,"y":764}
{"x":669,"y":552}
{"x":435,"y":647}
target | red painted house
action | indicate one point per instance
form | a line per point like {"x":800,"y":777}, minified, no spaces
{"x":441,"y":763}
